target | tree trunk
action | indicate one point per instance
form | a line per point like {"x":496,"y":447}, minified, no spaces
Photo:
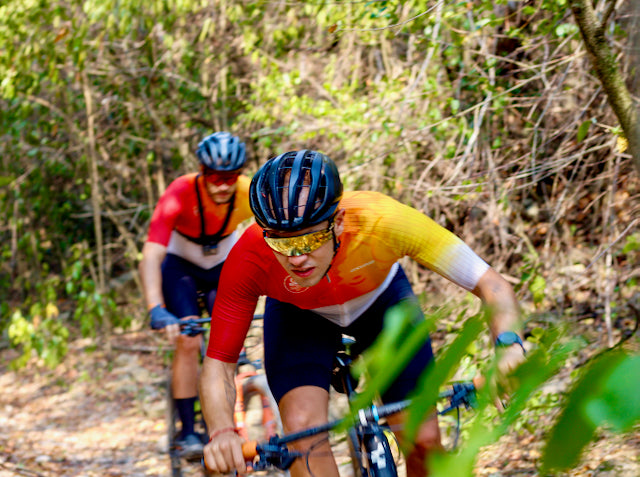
{"x":96,"y":204}
{"x":608,"y":73}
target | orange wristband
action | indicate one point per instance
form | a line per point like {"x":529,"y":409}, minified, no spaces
{"x":222,"y":431}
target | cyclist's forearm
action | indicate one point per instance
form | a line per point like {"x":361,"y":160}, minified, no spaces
{"x":499,"y":297}
{"x":151,"y":274}
{"x":217,"y":393}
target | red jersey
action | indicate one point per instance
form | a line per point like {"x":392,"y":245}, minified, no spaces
{"x":378,"y":231}
{"x":176,"y":219}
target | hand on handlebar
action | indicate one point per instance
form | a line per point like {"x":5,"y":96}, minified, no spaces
{"x":508,"y":361}
{"x":162,"y":318}
{"x":224,"y":453}
{"x":504,"y":383}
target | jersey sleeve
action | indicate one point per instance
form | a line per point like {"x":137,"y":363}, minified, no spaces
{"x":412,"y":233}
{"x":236,"y":300}
{"x":167,"y":211}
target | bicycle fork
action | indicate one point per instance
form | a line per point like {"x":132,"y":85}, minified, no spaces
{"x":376,"y":454}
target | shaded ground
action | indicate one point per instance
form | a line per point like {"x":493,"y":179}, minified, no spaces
{"x":92,"y":417}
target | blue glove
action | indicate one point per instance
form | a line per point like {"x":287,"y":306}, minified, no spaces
{"x":160,"y":318}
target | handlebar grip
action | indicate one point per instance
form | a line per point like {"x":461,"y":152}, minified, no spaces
{"x":250,"y":450}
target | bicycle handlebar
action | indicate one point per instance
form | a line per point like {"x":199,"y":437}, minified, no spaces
{"x":275,"y":452}
{"x":250,"y":450}
{"x":271,"y":454}
{"x":193,"y":326}
{"x":460,"y":394}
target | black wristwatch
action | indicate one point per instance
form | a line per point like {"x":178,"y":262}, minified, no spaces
{"x":508,"y":338}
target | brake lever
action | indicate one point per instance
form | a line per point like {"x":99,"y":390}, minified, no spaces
{"x":275,"y":454}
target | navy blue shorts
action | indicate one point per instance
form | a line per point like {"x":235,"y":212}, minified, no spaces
{"x":300,"y":345}
{"x":181,"y":282}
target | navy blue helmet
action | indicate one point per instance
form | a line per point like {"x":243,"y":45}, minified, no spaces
{"x":276,"y":191}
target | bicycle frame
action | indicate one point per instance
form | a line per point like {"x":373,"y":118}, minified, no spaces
{"x":368,"y":443}
{"x":371,"y":452}
{"x":276,"y":453}
{"x":248,"y":384}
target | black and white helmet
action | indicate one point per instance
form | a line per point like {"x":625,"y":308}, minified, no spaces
{"x":222,"y":151}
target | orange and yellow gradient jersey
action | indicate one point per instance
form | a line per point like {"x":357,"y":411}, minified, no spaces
{"x":378,"y":231}
{"x":176,"y":217}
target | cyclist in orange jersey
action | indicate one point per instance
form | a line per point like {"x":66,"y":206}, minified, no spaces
{"x":192,"y":229}
{"x":327,"y":262}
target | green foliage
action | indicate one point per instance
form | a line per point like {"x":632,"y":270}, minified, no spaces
{"x":532,"y":278}
{"x":92,"y":308}
{"x":604,"y":395}
{"x":486,"y":427}
{"x":404,"y":333}
{"x":43,"y":332}
{"x":583,"y":130}
{"x":436,"y":376}
{"x":632,"y":243}
{"x":47,"y":187}
{"x":44,"y":337}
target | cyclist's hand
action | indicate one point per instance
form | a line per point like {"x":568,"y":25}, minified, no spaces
{"x":504,"y":383}
{"x":161,"y":318}
{"x":224,"y":453}
{"x":508,"y":361}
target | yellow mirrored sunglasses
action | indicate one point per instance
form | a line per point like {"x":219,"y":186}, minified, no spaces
{"x":299,"y":244}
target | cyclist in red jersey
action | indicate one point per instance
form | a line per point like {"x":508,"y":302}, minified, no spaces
{"x":327,"y":262}
{"x":192,"y":229}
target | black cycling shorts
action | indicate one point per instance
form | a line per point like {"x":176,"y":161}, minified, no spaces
{"x":181,"y":282}
{"x":300,"y":345}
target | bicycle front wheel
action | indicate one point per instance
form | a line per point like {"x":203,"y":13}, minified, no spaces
{"x":377,"y":457}
{"x":355,"y":452}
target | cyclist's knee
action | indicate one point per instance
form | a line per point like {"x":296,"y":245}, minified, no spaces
{"x":428,"y":437}
{"x":294,"y":422}
{"x":304,"y":407}
{"x":187,"y":344}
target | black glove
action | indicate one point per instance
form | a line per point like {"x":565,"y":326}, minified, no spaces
{"x":160,"y":318}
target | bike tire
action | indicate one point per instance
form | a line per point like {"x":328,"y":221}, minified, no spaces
{"x":355,"y":452}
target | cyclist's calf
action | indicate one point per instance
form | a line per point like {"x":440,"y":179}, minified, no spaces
{"x":184,"y":380}
{"x":427,"y":441}
{"x":301,"y":408}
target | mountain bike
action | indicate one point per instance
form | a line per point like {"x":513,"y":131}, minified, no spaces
{"x":368,"y":436}
{"x":252,"y":395}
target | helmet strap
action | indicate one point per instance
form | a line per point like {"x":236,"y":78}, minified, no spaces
{"x":336,"y":242}
{"x":336,"y":246}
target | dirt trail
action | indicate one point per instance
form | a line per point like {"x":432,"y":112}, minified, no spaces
{"x":91,"y":417}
